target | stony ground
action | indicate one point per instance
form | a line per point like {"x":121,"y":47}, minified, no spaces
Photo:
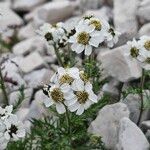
{"x":36,"y":62}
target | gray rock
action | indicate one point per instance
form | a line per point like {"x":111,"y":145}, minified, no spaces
{"x":134,"y":103}
{"x":38,"y":78}
{"x":31,"y":62}
{"x":125,"y":19}
{"x":107,"y":122}
{"x":14,"y":97}
{"x":21,"y":113}
{"x":111,"y":87}
{"x":45,"y":13}
{"x":120,"y":66}
{"x":8,"y":18}
{"x":27,"y":31}
{"x":26,"y":5}
{"x":29,"y":45}
{"x":144,"y":10}
{"x":131,"y":137}
{"x":144,"y":30}
{"x":145,"y":125}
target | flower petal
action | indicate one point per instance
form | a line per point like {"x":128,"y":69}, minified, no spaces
{"x":60,"y":108}
{"x":88,"y":50}
{"x":80,"y":110}
{"x":78,"y":85}
{"x":93,"y":97}
{"x":74,"y":107}
{"x":48,"y":102}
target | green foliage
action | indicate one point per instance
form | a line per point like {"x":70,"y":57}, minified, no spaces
{"x":51,"y":133}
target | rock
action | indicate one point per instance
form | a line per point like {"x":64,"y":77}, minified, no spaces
{"x":29,"y":45}
{"x":21,"y":113}
{"x":144,"y":10}
{"x":120,"y":66}
{"x":26,"y":5}
{"x":14,"y":97}
{"x":107,"y":122}
{"x":145,"y":125}
{"x":26,"y":32}
{"x":104,"y":12}
{"x":125,"y":19}
{"x":31,"y":62}
{"x":133,"y":102}
{"x":90,"y":4}
{"x":131,"y":137}
{"x":111,"y":87}
{"x":38,"y":78}
{"x":9,"y":18}
{"x":144,"y":30}
{"x":45,"y":13}
{"x":13,"y":73}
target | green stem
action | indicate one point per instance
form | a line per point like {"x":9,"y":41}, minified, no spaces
{"x":3,"y":88}
{"x":58,"y":56}
{"x":141,"y":96}
{"x":68,"y":120}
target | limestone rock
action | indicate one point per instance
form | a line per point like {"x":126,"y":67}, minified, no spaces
{"x":125,"y":18}
{"x":38,"y":78}
{"x":133,"y":102}
{"x":8,"y":18}
{"x":29,"y":45}
{"x":31,"y":62}
{"x":144,"y":30}
{"x":120,"y":66}
{"x":26,"y":5}
{"x":131,"y":137}
{"x":144,"y":10}
{"x":107,"y":122}
{"x":14,"y":97}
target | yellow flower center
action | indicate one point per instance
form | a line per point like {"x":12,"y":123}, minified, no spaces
{"x":57,"y":95}
{"x":82,"y":96}
{"x":147,"y":45}
{"x":84,"y":77}
{"x":97,"y":24}
{"x":83,"y":38}
{"x":66,"y":79}
{"x":134,"y":52}
{"x":148,"y":60}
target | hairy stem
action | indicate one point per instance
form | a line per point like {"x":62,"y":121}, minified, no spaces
{"x":141,"y":96}
{"x":58,"y":56}
{"x":3,"y":88}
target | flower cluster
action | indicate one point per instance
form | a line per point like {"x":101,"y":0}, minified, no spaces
{"x":69,"y":89}
{"x":88,"y":34}
{"x":10,"y":127}
{"x":140,"y":50}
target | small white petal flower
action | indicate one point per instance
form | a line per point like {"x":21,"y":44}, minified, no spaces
{"x":84,"y":97}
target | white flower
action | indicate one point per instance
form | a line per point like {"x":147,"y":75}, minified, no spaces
{"x":112,"y":37}
{"x":65,"y":75}
{"x":85,"y":38}
{"x":58,"y":95}
{"x":6,"y":112}
{"x":134,"y":49}
{"x":145,"y":44}
{"x":15,"y":128}
{"x":84,"y":97}
{"x":54,"y":34}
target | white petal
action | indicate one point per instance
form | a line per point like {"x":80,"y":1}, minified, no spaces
{"x":48,"y":102}
{"x":72,"y":39}
{"x":94,"y":41}
{"x":78,"y":85}
{"x":71,"y":102}
{"x":65,"y":88}
{"x":6,"y":135}
{"x":80,"y":110}
{"x":88,"y":50}
{"x":21,"y":133}
{"x":74,"y":107}
{"x":60,"y":108}
{"x":87,"y":104}
{"x":88,"y":87}
{"x":93,"y":97}
{"x":69,"y":95}
{"x":61,"y":71}
{"x":79,"y":48}
{"x":74,"y":72}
